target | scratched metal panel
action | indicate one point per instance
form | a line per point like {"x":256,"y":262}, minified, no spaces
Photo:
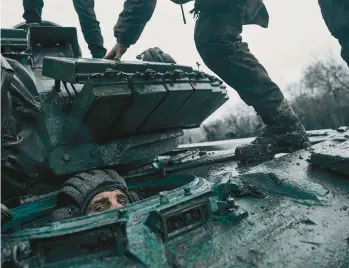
{"x":332,"y":156}
{"x":198,"y":103}
{"x":96,"y":108}
{"x":177,"y":93}
{"x":146,"y":96}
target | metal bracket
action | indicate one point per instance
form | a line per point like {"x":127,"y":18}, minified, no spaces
{"x":176,"y":219}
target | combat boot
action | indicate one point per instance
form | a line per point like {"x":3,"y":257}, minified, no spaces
{"x":284,"y":134}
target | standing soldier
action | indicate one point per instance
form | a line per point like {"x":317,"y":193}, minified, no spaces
{"x":336,"y":17}
{"x":88,"y":21}
{"x":219,"y":43}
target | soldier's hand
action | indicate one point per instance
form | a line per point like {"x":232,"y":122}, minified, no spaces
{"x":116,"y":53}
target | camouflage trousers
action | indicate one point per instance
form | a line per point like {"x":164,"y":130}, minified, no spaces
{"x":87,"y":17}
{"x":336,"y":16}
{"x":219,"y":43}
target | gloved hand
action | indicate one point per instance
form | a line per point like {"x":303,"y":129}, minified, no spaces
{"x":116,"y":52}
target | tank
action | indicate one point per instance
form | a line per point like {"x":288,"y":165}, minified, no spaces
{"x":198,"y":206}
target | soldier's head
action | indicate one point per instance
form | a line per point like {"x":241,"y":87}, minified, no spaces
{"x":95,"y":191}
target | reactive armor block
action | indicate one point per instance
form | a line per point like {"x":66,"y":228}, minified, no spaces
{"x":101,"y":112}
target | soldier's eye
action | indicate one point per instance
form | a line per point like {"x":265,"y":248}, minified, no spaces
{"x":123,"y":201}
{"x":100,"y":208}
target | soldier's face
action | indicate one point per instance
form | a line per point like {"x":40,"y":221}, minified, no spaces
{"x":106,"y":201}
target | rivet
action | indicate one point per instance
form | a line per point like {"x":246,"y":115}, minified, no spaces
{"x":163,"y":198}
{"x":66,"y":157}
{"x":93,"y":152}
{"x":187,"y":191}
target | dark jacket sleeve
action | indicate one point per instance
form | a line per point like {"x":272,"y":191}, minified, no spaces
{"x":132,"y":20}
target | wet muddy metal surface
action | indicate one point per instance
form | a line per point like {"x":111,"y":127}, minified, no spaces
{"x":302,"y":220}
{"x":332,"y":156}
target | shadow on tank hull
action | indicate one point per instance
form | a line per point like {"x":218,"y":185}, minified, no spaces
{"x":198,"y":206}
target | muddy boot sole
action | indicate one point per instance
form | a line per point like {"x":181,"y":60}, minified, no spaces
{"x":272,"y":145}
{"x":263,"y":152}
{"x":284,"y":133}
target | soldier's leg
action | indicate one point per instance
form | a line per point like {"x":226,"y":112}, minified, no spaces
{"x":344,"y":42}
{"x":336,"y":16}
{"x":90,"y":27}
{"x":33,"y":10}
{"x":218,"y":40}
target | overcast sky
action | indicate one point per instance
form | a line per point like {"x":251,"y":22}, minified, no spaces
{"x":295,"y":36}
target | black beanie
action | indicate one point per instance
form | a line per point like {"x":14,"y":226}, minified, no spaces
{"x":155,"y":54}
{"x":81,"y":188}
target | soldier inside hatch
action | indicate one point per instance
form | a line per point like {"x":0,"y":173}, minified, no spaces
{"x":24,"y":143}
{"x":96,"y":191}
{"x":219,"y":43}
{"x":87,"y":17}
{"x":91,"y":192}
{"x":336,"y":16}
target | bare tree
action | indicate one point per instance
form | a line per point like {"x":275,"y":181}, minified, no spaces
{"x":324,"y":98}
{"x":326,"y":77}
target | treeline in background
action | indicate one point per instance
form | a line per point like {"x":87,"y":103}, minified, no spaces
{"x":320,"y":99}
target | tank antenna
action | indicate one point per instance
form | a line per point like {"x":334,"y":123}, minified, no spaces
{"x":183,"y":15}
